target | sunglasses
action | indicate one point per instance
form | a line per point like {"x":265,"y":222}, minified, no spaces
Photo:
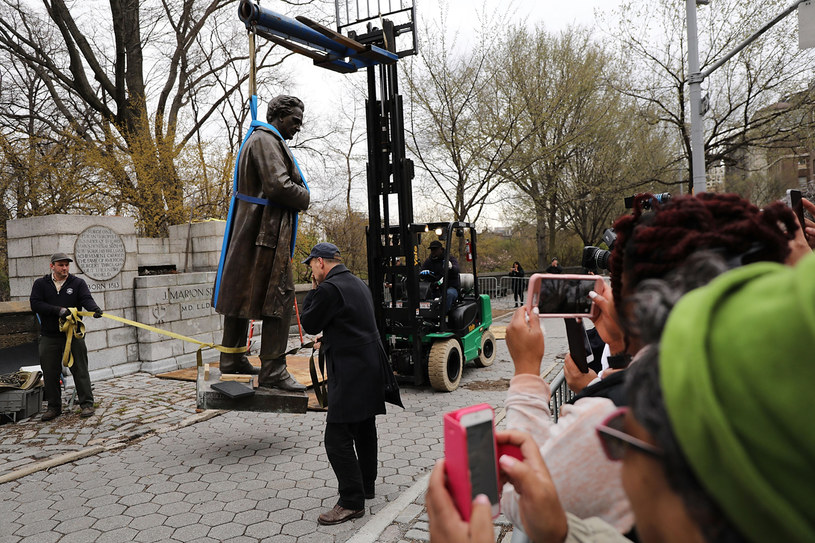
{"x":615,"y":440}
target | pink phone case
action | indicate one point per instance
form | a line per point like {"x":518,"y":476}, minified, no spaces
{"x":534,"y":290}
{"x":456,"y":458}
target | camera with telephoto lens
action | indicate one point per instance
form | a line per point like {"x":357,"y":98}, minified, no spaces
{"x":661,"y":198}
{"x":595,"y":258}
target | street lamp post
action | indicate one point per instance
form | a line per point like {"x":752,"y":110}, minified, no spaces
{"x":695,"y":78}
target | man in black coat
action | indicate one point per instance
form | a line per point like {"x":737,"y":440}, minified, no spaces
{"x":554,"y":267}
{"x":51,"y":296}
{"x":340,"y":305}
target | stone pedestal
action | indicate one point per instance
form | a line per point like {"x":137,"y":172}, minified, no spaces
{"x":263,"y":400}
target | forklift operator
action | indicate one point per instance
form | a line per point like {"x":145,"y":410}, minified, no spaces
{"x":434,"y":267}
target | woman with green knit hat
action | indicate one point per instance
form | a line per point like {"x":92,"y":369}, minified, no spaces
{"x":717,"y":441}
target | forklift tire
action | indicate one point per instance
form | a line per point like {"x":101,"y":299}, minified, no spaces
{"x":486,"y":356}
{"x":445,"y":365}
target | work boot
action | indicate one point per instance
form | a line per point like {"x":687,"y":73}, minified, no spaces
{"x":273,"y":374}
{"x":338,"y":515}
{"x":86,"y":412}
{"x":50,"y":414}
{"x":237,"y":363}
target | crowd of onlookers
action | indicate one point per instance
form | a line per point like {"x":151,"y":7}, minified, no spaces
{"x":706,"y":434}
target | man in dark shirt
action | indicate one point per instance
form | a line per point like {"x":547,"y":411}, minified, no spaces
{"x":554,"y":267}
{"x":434,"y":267}
{"x":340,"y":305}
{"x":51,"y":296}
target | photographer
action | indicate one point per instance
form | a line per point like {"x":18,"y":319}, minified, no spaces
{"x":517,"y":273}
{"x":697,"y":470}
{"x":554,"y":267}
{"x":650,"y":245}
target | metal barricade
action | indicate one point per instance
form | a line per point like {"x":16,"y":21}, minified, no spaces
{"x":488,"y":286}
{"x":508,"y":283}
{"x":560,"y":394}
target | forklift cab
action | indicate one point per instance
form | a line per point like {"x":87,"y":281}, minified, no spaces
{"x":423,"y":340}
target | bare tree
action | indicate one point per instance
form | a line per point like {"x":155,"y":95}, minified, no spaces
{"x":653,"y":37}
{"x":577,"y":156}
{"x":458,"y":148}
{"x":130,"y":84}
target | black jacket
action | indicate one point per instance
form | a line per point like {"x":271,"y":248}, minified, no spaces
{"x":612,"y":387}
{"x":436,"y":265}
{"x":46,"y":302}
{"x":342,"y":308}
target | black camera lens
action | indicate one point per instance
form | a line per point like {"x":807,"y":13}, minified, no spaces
{"x":595,"y":258}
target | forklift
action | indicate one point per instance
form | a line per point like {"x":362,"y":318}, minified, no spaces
{"x":425,"y":345}
{"x":424,"y":341}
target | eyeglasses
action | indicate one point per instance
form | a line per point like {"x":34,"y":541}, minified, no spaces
{"x":614,"y":440}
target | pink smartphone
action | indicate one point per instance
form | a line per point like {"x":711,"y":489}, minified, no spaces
{"x":563,"y":295}
{"x":471,"y":457}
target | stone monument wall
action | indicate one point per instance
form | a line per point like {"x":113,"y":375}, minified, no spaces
{"x":108,"y":255}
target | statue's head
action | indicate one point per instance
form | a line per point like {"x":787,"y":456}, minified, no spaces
{"x":283,"y":105}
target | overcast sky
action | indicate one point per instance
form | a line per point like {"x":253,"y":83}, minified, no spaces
{"x":323,"y":90}
{"x":314,"y":85}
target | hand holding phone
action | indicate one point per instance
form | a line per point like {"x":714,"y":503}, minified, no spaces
{"x":471,"y":458}
{"x":563,"y":295}
{"x":795,"y":202}
{"x":579,"y":345}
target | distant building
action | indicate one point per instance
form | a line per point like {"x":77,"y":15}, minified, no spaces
{"x":504,"y":231}
{"x":782,"y":157}
{"x":715,"y":178}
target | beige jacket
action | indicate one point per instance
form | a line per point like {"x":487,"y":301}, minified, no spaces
{"x":587,"y":483}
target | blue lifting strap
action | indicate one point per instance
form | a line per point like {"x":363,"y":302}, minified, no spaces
{"x":253,"y":108}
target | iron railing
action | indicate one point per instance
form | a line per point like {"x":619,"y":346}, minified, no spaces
{"x":560,"y":394}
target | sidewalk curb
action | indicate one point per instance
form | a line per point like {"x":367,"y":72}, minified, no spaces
{"x":384,"y":518}
{"x":115,"y":442}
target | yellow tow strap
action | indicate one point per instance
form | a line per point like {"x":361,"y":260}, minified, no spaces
{"x":73,"y":326}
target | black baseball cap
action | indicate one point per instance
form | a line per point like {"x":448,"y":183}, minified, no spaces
{"x":436,"y":244}
{"x":323,"y":250}
{"x":56,"y":257}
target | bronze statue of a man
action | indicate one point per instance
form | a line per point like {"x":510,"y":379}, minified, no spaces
{"x":255,"y":280}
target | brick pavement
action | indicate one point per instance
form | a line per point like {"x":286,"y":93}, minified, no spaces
{"x":159,"y":472}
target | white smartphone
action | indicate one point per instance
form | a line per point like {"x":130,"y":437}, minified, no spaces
{"x":563,"y":295}
{"x":482,"y":457}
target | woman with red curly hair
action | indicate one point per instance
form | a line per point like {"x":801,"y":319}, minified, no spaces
{"x":651,"y":242}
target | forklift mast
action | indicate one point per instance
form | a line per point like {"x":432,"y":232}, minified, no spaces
{"x":390,"y":240}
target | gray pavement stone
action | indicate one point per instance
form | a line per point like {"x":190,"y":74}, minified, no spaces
{"x":174,"y":508}
{"x":217,"y":517}
{"x":153,"y":534}
{"x":299,"y":527}
{"x":112,"y":523}
{"x":42,"y":537}
{"x":74,"y":524}
{"x":227,"y":531}
{"x":142,"y":509}
{"x":183,"y":519}
{"x":147,"y":521}
{"x":264,"y":529}
{"x":135,"y":498}
{"x":194,"y":532}
{"x":418,"y":535}
{"x":249,"y":476}
{"x":25,"y":530}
